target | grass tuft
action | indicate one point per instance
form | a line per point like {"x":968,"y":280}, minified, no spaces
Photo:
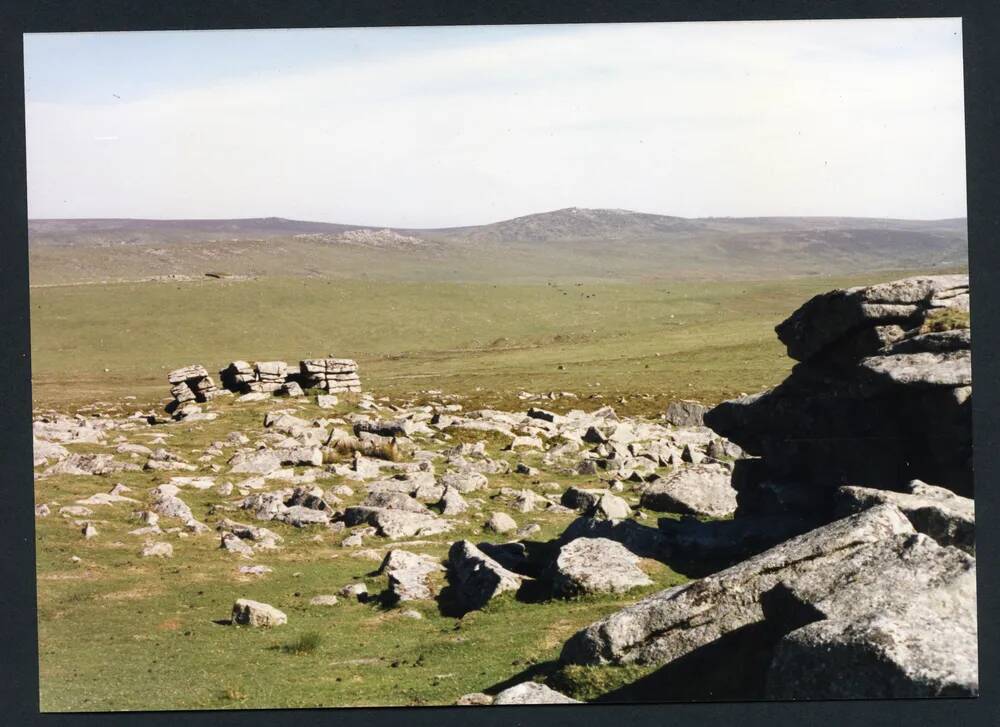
{"x":307,"y":643}
{"x":945,"y":319}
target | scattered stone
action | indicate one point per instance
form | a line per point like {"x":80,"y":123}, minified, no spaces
{"x":476,"y":577}
{"x":703,"y":489}
{"x":255,"y":570}
{"x":325,"y":600}
{"x":596,"y":565}
{"x":408,"y":575}
{"x":89,"y":531}
{"x":157,"y":550}
{"x":531,"y":693}
{"x":474,"y":699}
{"x":501,"y":522}
{"x":357,"y":591}
{"x":254,"y":613}
{"x":685,"y":414}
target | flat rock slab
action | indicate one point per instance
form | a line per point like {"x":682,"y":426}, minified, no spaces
{"x":864,"y":590}
{"x":702,"y":489}
{"x":596,"y":565}
{"x":948,"y":368}
{"x":934,"y":511}
{"x":396,"y":524}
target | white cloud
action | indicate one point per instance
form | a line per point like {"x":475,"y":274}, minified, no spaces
{"x":857,"y":118}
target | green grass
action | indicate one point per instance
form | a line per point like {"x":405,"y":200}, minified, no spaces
{"x":945,"y":319}
{"x":705,"y":340}
{"x":120,"y":632}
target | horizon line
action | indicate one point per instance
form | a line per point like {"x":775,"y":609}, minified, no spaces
{"x":493,"y":222}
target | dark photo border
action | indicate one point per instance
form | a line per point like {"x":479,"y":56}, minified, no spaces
{"x":19,"y":650}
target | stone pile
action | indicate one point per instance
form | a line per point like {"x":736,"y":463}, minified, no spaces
{"x":335,"y":375}
{"x":190,"y":384}
{"x":881,"y":396}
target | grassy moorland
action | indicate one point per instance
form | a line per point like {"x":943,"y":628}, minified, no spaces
{"x":121,"y":632}
{"x":704,"y":340}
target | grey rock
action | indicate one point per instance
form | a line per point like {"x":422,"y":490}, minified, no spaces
{"x":531,"y":693}
{"x":259,"y":461}
{"x":501,"y":522}
{"x":934,"y":511}
{"x":300,"y":516}
{"x":610,"y":507}
{"x":464,"y":482}
{"x":685,"y":413}
{"x":855,"y":591}
{"x":596,"y":565}
{"x":477,"y":578}
{"x":703,"y":489}
{"x":157,"y":550}
{"x":395,"y":524}
{"x":948,"y":368}
{"x":254,"y":613}
{"x":408,"y":575}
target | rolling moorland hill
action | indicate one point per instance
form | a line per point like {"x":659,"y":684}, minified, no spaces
{"x":572,"y":243}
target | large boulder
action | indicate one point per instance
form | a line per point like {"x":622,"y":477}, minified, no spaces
{"x":701,"y":489}
{"x":395,"y":524}
{"x":869,"y":587}
{"x":408,"y":575}
{"x":685,"y":413}
{"x":933,"y":511}
{"x":477,"y":578}
{"x":254,"y":613}
{"x":882,"y":396}
{"x":829,"y":318}
{"x":531,"y":693}
{"x":596,"y":565}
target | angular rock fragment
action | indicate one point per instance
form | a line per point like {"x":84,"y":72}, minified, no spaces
{"x":596,"y":565}
{"x":253,"y":613}
{"x":477,"y":578}
{"x":703,"y":489}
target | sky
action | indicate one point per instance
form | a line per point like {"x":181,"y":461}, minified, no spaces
{"x":448,"y":126}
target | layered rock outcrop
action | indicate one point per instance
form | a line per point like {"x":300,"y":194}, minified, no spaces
{"x":881,"y":396}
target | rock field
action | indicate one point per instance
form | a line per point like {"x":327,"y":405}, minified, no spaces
{"x":827,"y":523}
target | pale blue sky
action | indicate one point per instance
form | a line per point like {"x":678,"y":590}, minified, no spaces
{"x":464,"y":125}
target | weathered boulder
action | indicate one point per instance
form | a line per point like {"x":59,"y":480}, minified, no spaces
{"x":595,"y":565}
{"x":702,"y":489}
{"x":475,"y":577}
{"x":531,"y":693}
{"x":685,"y":413}
{"x":882,"y":396}
{"x":261,"y":461}
{"x":408,"y":575}
{"x":501,"y":522}
{"x":828,"y":318}
{"x":395,"y":524}
{"x":581,"y":498}
{"x":610,"y":507}
{"x":863,"y":586}
{"x":452,"y":502}
{"x":464,"y":482}
{"x":644,"y":541}
{"x":254,"y":613}
{"x":933,"y":511}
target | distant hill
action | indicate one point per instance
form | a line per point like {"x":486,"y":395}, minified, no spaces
{"x":567,"y":243}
